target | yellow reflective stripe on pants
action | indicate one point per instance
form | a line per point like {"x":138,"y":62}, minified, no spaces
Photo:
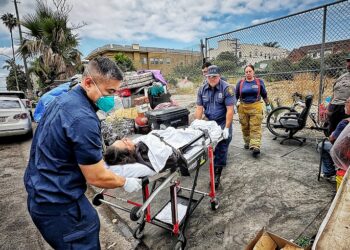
{"x":250,"y":117}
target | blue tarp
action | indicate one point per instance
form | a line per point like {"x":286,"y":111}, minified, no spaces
{"x":47,"y":98}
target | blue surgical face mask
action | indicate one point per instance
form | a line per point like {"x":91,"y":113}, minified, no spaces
{"x":104,"y":103}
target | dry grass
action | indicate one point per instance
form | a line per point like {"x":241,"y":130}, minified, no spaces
{"x":305,"y":83}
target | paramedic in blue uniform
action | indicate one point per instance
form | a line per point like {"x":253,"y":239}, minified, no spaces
{"x":66,"y":155}
{"x":215,"y":99}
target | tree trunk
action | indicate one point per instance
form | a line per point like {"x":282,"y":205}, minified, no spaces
{"x":14,"y":67}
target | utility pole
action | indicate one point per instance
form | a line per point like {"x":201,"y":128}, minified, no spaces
{"x":29,"y":84}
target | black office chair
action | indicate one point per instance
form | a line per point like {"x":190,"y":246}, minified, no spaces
{"x":294,"y":122}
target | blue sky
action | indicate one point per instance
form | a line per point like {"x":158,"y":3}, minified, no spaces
{"x":154,"y":23}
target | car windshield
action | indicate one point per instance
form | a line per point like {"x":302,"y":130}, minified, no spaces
{"x":9,"y":104}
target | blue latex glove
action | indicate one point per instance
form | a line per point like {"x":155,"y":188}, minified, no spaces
{"x":225,"y":133}
{"x":268,"y":109}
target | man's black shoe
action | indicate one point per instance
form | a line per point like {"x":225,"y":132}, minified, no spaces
{"x":256,"y":152}
{"x":217,"y":177}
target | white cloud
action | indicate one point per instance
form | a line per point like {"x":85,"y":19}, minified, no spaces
{"x":257,"y":21}
{"x":137,"y":20}
{"x":7,"y":51}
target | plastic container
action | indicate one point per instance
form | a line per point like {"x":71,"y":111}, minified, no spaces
{"x":339,"y":177}
{"x":171,"y":117}
{"x":155,"y":100}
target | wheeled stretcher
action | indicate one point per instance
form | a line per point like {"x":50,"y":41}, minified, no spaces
{"x":174,"y":214}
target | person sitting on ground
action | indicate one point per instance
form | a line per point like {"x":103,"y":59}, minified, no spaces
{"x":328,"y":167}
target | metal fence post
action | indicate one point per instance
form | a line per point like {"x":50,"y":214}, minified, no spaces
{"x":322,"y":73}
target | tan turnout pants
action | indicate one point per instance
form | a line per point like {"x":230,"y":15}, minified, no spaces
{"x":250,"y":117}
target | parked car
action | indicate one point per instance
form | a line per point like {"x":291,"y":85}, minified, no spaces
{"x":14,"y":117}
{"x":20,"y":94}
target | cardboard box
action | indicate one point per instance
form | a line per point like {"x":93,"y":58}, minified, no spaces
{"x":279,"y":241}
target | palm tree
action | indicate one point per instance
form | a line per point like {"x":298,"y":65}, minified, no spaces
{"x":272,"y":44}
{"x":52,"y":42}
{"x":11,"y":22}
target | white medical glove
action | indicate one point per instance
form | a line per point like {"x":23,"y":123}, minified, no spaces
{"x":268,"y":108}
{"x":225,"y":133}
{"x":132,"y":185}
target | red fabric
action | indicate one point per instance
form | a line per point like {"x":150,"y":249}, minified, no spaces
{"x":124,"y":93}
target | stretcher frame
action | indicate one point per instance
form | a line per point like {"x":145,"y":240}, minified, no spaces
{"x":142,"y":212}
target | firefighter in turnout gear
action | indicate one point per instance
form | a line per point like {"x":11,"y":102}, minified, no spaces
{"x":249,"y":92}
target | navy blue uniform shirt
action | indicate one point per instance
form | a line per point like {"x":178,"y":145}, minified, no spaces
{"x":68,"y":134}
{"x":214,"y":100}
{"x":249,"y":93}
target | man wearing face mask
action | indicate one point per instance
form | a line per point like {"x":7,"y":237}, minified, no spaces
{"x":215,"y":99}
{"x":66,"y":154}
{"x":341,"y":91}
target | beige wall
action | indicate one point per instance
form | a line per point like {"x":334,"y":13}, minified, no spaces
{"x":156,"y":60}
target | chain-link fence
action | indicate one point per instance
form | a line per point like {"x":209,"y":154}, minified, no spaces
{"x":303,"y":52}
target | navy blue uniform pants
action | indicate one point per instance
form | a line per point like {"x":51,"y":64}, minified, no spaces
{"x":72,"y":226}
{"x":220,"y":153}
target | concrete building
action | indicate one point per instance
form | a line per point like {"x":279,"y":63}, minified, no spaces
{"x":149,"y":57}
{"x":251,"y":53}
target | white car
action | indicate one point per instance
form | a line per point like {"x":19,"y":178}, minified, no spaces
{"x":14,"y":117}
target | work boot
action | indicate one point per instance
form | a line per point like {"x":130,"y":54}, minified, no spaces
{"x":217,"y":177}
{"x":256,"y":152}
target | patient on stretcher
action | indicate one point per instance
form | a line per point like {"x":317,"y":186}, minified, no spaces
{"x":158,"y":150}
{"x":125,"y":151}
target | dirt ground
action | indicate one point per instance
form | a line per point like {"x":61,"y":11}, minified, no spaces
{"x":279,"y":191}
{"x":17,"y":231}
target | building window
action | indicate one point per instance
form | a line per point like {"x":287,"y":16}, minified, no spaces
{"x":156,"y":61}
{"x":144,"y":60}
{"x":261,"y":54}
{"x":151,"y":60}
{"x":240,"y":54}
{"x":250,"y":54}
{"x":167,"y":60}
{"x":256,"y":53}
{"x":161,"y":61}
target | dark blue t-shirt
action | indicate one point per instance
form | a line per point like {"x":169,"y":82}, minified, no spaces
{"x":215,"y":100}
{"x":340,"y":127}
{"x":68,"y":134}
{"x":249,"y":92}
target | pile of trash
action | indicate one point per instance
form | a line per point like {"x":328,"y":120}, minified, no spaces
{"x":116,"y":129}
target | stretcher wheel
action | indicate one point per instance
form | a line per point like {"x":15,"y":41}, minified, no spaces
{"x":138,"y":232}
{"x":180,"y":245}
{"x":214,"y":204}
{"x":133,"y":214}
{"x":96,"y":200}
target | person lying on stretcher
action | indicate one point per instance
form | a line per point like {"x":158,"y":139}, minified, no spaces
{"x":125,"y":151}
{"x":158,"y":149}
